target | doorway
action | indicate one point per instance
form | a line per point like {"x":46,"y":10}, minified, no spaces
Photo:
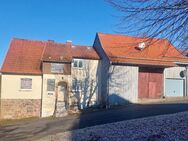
{"x":150,"y":83}
{"x":61,"y":103}
{"x":62,"y":91}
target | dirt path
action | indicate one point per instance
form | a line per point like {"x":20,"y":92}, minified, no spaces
{"x":28,"y":131}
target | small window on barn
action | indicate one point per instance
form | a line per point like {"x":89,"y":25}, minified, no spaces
{"x":26,"y":83}
{"x":56,"y":68}
{"x":78,"y":63}
{"x":50,"y":85}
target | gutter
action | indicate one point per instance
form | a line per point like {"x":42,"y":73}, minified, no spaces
{"x":181,"y":63}
{"x":151,"y":59}
{"x":143,"y":64}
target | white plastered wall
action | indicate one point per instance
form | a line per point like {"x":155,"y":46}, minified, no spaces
{"x":48,"y":98}
{"x":173,"y":72}
{"x":91,"y":72}
{"x":123,"y":84}
{"x":10,"y":88}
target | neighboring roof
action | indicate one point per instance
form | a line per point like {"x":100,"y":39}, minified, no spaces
{"x":25,"y":56}
{"x":65,"y":52}
{"x":124,"y":49}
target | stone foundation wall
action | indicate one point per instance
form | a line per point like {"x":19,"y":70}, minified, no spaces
{"x":20,"y":108}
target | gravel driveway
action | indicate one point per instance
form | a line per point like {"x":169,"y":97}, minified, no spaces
{"x":159,"y":128}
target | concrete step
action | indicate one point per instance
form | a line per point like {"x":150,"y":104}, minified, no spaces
{"x":61,"y":109}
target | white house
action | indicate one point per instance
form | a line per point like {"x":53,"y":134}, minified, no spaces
{"x":44,"y":78}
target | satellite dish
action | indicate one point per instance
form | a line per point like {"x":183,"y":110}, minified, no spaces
{"x":183,"y":73}
{"x":141,"y":45}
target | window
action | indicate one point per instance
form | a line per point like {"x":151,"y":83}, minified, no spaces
{"x":56,"y":68}
{"x":77,"y":85}
{"x":50,"y":85}
{"x":78,"y":63}
{"x":75,"y":64}
{"x":26,"y":83}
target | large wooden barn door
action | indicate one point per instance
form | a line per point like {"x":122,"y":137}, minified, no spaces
{"x":143,"y":85}
{"x":150,"y":83}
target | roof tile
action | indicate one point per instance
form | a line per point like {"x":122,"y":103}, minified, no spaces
{"x":26,"y":56}
{"x":124,"y":49}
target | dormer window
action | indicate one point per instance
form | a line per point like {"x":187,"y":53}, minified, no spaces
{"x":56,"y":68}
{"x":77,"y":63}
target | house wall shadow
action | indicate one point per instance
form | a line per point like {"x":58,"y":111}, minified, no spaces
{"x":124,"y":112}
{"x":92,"y":116}
{"x":115,"y":99}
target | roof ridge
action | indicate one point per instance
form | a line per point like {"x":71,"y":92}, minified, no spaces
{"x":46,"y":41}
{"x":131,"y":36}
{"x":32,"y":40}
{"x":82,"y":46}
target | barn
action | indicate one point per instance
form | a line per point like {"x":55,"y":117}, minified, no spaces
{"x":135,"y":68}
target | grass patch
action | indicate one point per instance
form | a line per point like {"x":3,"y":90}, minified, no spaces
{"x":6,"y":122}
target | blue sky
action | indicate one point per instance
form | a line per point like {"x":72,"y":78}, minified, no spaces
{"x":59,"y":20}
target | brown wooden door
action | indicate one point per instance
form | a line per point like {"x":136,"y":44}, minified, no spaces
{"x":143,"y":85}
{"x":156,"y":82}
{"x":152,"y":90}
{"x":150,"y":83}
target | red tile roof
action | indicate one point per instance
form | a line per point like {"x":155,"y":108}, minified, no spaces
{"x":124,"y":49}
{"x":25,"y":56}
{"x":65,"y":52}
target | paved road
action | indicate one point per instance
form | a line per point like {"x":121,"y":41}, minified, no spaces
{"x":28,"y":131}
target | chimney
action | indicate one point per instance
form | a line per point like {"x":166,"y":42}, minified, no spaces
{"x":69,"y":43}
{"x":51,"y":41}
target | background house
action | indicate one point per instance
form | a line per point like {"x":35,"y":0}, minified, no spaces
{"x":77,"y":67}
{"x":139,"y":68}
{"x":37,"y":78}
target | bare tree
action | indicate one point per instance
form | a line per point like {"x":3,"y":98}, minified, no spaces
{"x":154,"y":18}
{"x":85,"y":86}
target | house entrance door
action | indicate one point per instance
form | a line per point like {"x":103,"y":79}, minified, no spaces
{"x":62,"y":92}
{"x":61,"y":104}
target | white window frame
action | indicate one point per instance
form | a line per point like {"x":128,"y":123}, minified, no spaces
{"x":77,"y":62}
{"x":59,"y":65}
{"x":26,"y":79}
